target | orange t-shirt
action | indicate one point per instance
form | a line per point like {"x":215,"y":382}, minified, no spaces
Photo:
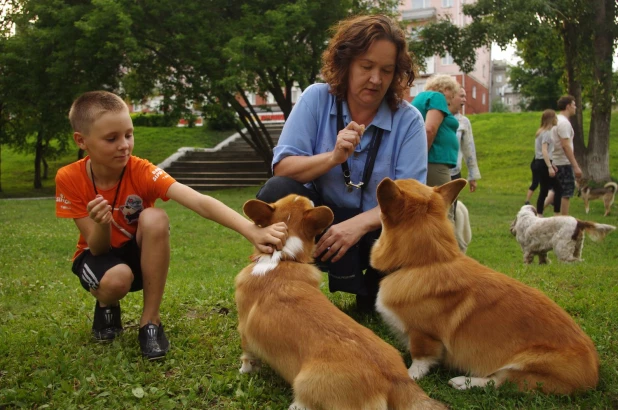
{"x":141,"y":185}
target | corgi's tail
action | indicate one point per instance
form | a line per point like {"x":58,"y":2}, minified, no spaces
{"x":407,"y":395}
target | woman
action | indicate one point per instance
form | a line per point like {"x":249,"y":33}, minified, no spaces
{"x":343,"y":137}
{"x":435,"y":103}
{"x":542,"y":169}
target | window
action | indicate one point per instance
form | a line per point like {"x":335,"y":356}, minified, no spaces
{"x":420,"y":4}
{"x":447,"y":59}
{"x":430,"y":65}
{"x":474,"y":92}
{"x":270,"y":99}
{"x":483,"y":98}
{"x":416,"y":89}
{"x":499,"y":78}
{"x":483,"y":71}
{"x":447,"y":3}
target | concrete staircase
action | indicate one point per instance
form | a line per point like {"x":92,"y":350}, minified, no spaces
{"x":231,"y":164}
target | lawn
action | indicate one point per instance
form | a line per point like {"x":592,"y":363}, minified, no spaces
{"x":48,"y":359}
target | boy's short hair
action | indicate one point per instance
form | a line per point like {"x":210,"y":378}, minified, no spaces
{"x":564,"y":102}
{"x":90,"y":106}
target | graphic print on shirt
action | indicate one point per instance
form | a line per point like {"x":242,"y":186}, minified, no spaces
{"x":131,"y":209}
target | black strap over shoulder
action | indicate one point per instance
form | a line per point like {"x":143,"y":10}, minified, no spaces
{"x":374,"y":145}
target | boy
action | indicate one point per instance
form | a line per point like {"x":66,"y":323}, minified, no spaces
{"x":124,"y":243}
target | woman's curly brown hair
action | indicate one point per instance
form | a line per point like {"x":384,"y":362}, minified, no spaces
{"x":352,"y":38}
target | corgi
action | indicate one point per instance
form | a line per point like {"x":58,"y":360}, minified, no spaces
{"x":331,"y":361}
{"x":450,"y":309}
{"x":607,"y":193}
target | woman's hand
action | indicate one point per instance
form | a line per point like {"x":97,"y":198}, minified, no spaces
{"x":552,"y":171}
{"x":347,"y":139}
{"x":338,"y":239}
{"x":100,"y":210}
{"x":269,"y":238}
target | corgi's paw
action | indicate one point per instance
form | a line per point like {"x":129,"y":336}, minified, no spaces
{"x":250,"y":365}
{"x":420,"y":368}
{"x":298,"y":406}
{"x":465,"y":383}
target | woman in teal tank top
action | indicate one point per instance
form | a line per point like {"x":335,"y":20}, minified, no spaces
{"x":440,"y":125}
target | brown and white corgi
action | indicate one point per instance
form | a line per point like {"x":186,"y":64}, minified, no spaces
{"x":450,"y":309}
{"x":331,"y":361}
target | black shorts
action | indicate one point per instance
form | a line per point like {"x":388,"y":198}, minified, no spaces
{"x":90,"y":269}
{"x":566,"y":178}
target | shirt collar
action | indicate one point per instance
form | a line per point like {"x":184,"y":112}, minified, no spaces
{"x":383,"y":118}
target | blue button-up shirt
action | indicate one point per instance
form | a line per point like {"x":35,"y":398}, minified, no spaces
{"x":311,"y":129}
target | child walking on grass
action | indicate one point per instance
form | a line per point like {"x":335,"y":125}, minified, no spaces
{"x":124,"y":241}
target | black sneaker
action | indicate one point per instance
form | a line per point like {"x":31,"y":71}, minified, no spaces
{"x":107,"y":323}
{"x":153,"y":342}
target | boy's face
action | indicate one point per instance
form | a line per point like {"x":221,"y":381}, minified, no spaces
{"x":110,"y":139}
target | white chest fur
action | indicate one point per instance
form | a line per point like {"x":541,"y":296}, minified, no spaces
{"x":266,"y":263}
{"x":395,"y":323}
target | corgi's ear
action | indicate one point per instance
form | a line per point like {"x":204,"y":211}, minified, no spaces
{"x":258,"y":211}
{"x":315,"y":220}
{"x":451,"y":190}
{"x":388,"y":194}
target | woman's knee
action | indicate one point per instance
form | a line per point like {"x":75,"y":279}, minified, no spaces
{"x":279,"y":187}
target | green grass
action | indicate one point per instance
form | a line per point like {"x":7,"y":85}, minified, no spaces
{"x":47,"y":359}
{"x":155,"y":144}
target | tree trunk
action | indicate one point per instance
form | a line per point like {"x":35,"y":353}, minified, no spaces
{"x":569,"y":36}
{"x":596,"y":165}
{"x":45,"y":168}
{"x":38,"y":156}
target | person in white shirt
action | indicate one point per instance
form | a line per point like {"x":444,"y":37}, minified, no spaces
{"x":564,"y":160}
{"x":467,"y":150}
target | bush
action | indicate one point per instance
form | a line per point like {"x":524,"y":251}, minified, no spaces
{"x":219,"y":118}
{"x":499,"y":106}
{"x":153,"y":120}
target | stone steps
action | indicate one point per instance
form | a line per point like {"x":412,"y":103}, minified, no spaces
{"x":232,"y":164}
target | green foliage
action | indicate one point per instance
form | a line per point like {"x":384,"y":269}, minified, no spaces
{"x":539,"y":74}
{"x":48,"y":358}
{"x":219,"y":118}
{"x":58,"y":51}
{"x":153,"y":120}
{"x":498,"y":106}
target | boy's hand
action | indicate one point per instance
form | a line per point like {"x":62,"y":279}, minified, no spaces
{"x":272,"y":237}
{"x":100,"y":210}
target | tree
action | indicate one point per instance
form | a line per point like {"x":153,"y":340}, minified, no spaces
{"x":59,"y":50}
{"x":587,"y":30}
{"x":220,"y":53}
{"x":538,"y":76}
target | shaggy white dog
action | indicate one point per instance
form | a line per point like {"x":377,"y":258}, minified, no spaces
{"x":564,"y":234}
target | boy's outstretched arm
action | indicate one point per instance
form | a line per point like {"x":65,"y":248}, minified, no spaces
{"x":265,"y":239}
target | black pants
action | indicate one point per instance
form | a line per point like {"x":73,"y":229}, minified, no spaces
{"x":279,"y":187}
{"x":545,"y":182}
